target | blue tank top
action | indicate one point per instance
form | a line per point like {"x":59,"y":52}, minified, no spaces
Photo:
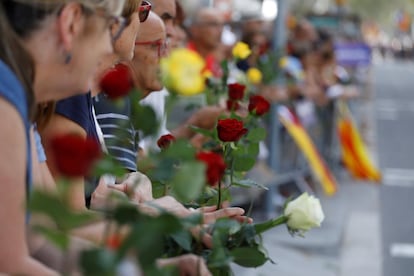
{"x":12,"y":91}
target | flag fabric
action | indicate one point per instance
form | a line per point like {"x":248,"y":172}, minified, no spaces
{"x":291,"y":122}
{"x":354,"y":152}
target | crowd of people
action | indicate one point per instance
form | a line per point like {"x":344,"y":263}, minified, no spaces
{"x":53,"y":55}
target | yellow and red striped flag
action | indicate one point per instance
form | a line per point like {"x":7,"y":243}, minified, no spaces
{"x":354,"y":152}
{"x":291,"y":122}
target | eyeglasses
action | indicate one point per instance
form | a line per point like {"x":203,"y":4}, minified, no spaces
{"x":211,"y":24}
{"x":161,"y":44}
{"x":144,"y":10}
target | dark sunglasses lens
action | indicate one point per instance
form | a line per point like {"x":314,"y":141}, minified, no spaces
{"x":144,"y":10}
{"x":143,"y":15}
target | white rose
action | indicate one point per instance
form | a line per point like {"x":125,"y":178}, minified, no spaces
{"x":304,"y":213}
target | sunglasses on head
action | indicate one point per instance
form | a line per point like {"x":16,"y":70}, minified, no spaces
{"x":144,"y":10}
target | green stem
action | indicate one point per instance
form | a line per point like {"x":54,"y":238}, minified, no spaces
{"x":219,"y":196}
{"x":231,"y":170}
{"x":264,"y":226}
{"x":165,"y":189}
{"x":107,"y":222}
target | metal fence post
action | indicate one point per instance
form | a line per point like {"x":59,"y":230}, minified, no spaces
{"x":279,"y":41}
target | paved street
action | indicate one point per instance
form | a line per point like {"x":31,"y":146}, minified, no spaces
{"x":369,"y":229}
{"x":365,"y":223}
{"x":395,"y":135}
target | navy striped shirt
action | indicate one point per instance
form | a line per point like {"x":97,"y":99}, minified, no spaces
{"x":119,"y":135}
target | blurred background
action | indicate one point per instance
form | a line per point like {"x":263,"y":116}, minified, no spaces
{"x":369,"y":226}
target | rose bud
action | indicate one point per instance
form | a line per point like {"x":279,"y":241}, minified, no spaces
{"x":165,"y":141}
{"x":116,"y":82}
{"x":230,"y":130}
{"x":232,"y":105}
{"x":236,"y":91}
{"x":215,"y":166}
{"x":258,"y":105}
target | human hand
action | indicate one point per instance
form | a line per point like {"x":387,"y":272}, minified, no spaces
{"x":101,"y":196}
{"x":188,"y":265}
{"x":205,"y":118}
{"x":137,"y":186}
{"x":211,"y":214}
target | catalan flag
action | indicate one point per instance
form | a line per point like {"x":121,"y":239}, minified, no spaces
{"x":354,"y":152}
{"x":291,"y":122}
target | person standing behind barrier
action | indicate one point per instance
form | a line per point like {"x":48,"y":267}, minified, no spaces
{"x":70,"y":29}
{"x":205,"y":32}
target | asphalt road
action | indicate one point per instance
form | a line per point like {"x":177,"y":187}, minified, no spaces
{"x":394,"y":117}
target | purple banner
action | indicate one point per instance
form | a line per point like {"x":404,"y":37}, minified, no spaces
{"x":353,"y":54}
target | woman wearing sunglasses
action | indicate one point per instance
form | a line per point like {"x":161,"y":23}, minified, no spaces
{"x":50,"y":40}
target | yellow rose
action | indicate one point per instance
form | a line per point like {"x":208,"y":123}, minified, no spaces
{"x":182,"y":72}
{"x":254,"y":75}
{"x":283,"y":62}
{"x":241,"y":50}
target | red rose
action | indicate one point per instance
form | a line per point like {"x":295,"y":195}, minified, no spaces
{"x":74,"y":155}
{"x":258,"y":105}
{"x":116,"y":82}
{"x":165,"y":141}
{"x":215,"y":166}
{"x":230,"y":130}
{"x":236,"y":91}
{"x":232,"y":105}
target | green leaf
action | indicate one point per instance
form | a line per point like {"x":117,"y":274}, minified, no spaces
{"x":148,"y":236}
{"x":219,"y":257}
{"x":126,"y":213}
{"x":205,"y":132}
{"x":246,"y":236}
{"x":58,"y":238}
{"x":256,"y":134}
{"x":226,"y":226}
{"x":192,"y":220}
{"x":253,"y":149}
{"x":98,"y":262}
{"x":109,"y":165}
{"x":249,"y":256}
{"x":158,"y":189}
{"x":244,"y":163}
{"x":163,"y":171}
{"x":144,"y":118}
{"x":180,"y":150}
{"x":248,"y":183}
{"x":188,"y":182}
{"x":183,"y":239}
{"x":221,"y":271}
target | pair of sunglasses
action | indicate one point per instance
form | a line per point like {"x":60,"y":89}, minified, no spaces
{"x":144,"y":10}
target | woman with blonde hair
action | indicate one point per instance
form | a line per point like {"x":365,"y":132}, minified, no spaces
{"x":49,"y":39}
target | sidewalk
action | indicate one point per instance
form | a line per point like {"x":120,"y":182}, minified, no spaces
{"x":348,"y":243}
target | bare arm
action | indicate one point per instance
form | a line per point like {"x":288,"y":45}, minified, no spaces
{"x":205,"y":118}
{"x":13,"y":196}
{"x":60,"y":125}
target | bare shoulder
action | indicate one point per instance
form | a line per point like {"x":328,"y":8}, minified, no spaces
{"x":12,"y":144}
{"x":60,"y":125}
